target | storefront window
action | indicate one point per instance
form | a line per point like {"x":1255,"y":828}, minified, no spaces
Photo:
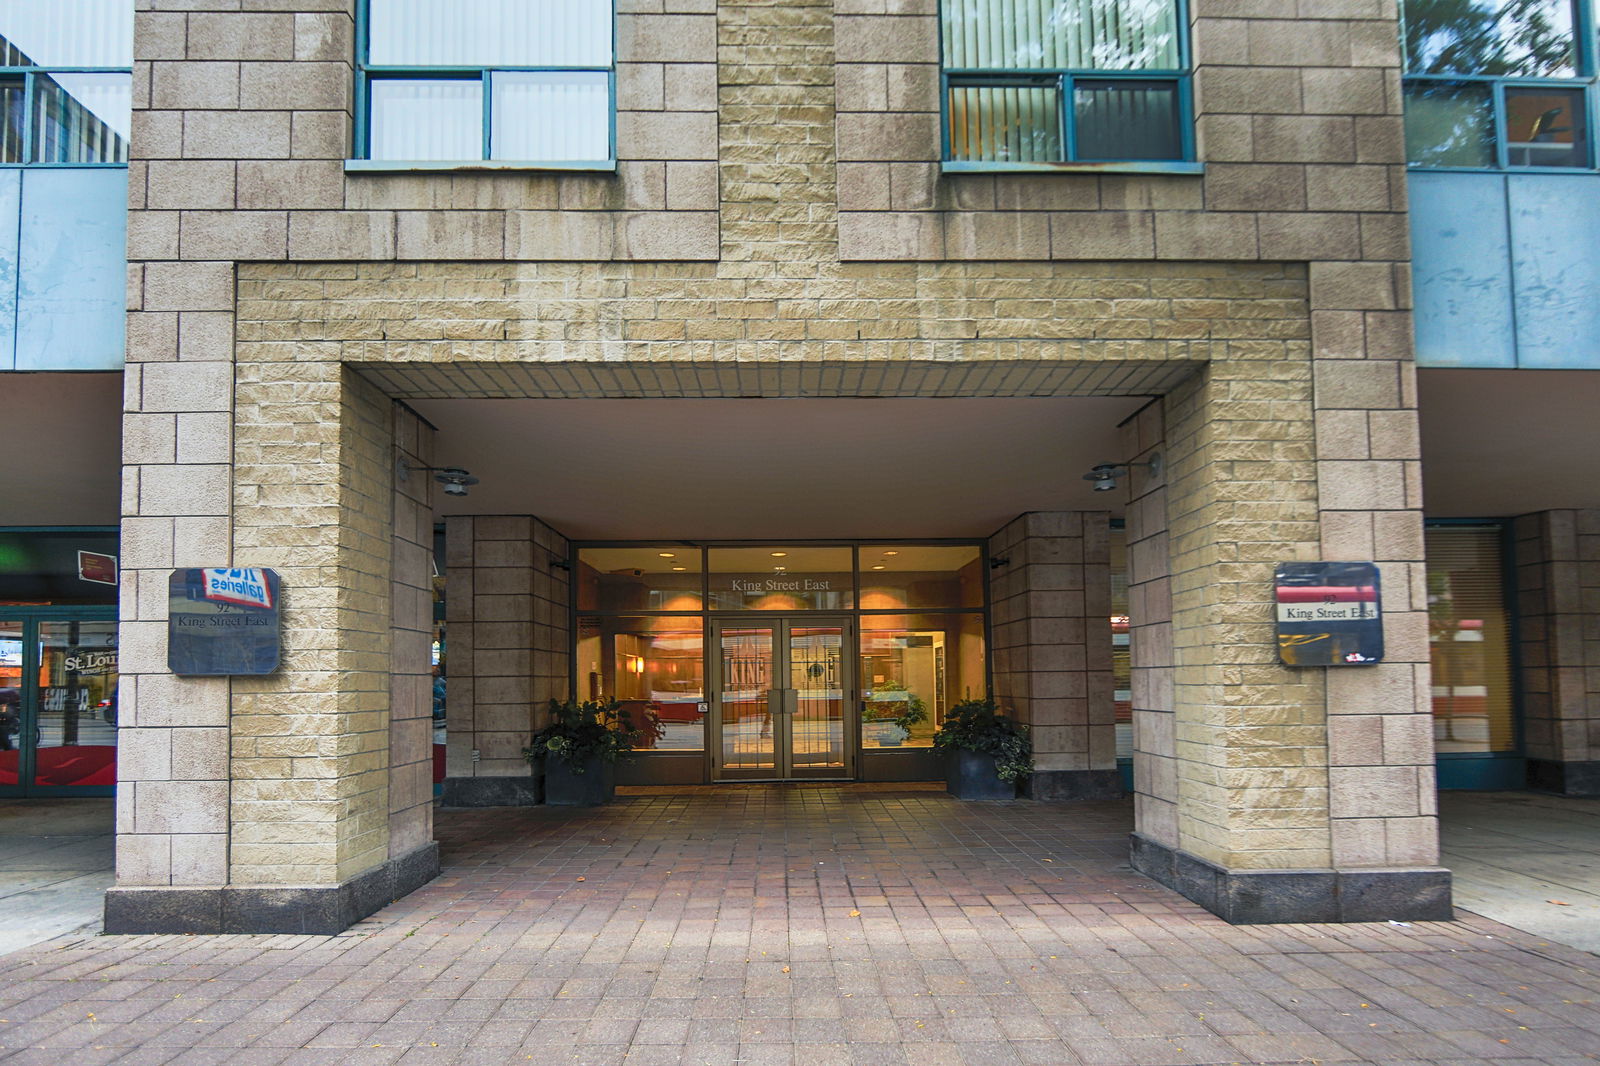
{"x":60,"y":567}
{"x":913,"y":667}
{"x":661,"y":578}
{"x":780,"y":578}
{"x":1469,"y":634}
{"x":1121,"y":652}
{"x":897,"y":576}
{"x":654,"y":665}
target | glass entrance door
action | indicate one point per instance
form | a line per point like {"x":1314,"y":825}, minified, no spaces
{"x":781,"y":690}
{"x":58,"y":704}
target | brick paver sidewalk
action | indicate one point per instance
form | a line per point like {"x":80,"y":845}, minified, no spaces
{"x":807,"y":926}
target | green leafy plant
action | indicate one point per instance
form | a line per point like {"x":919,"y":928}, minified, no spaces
{"x":977,"y":725}
{"x":592,"y":730}
{"x":904,"y":713}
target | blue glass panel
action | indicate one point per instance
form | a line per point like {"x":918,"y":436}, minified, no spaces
{"x":1554,"y":222}
{"x":66,"y":33}
{"x":1461,"y":265}
{"x":71,"y":277}
{"x":10,"y":204}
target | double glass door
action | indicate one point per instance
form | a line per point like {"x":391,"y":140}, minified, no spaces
{"x":782,"y":696}
{"x":58,"y":702}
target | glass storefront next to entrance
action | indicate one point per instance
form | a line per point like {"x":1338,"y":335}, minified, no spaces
{"x":782,"y":662}
{"x":58,"y":662}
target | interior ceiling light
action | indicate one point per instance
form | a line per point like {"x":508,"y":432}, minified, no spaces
{"x":879,"y":566}
{"x":680,"y":568}
{"x":891,"y":553}
{"x":779,"y":555}
{"x":667,"y":555}
{"x":780,"y":569}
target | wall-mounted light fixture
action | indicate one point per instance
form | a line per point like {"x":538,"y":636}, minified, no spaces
{"x":455,"y":480}
{"x":999,"y":561}
{"x":1104,"y":475}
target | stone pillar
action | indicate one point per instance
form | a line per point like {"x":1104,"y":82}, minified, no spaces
{"x":1558,"y":604}
{"x":1155,"y":757}
{"x":411,"y":639}
{"x":1050,"y":604}
{"x":306,"y":818}
{"x":507,"y":633}
{"x":1283,"y":794}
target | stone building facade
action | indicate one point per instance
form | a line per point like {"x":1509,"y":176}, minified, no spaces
{"x":778,"y":226}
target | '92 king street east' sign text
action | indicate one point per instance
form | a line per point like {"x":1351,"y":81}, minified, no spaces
{"x":222,"y":621}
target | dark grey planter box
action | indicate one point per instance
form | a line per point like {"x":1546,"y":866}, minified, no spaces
{"x":563,"y":788}
{"x":971,"y":775}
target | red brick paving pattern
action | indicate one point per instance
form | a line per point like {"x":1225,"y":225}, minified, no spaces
{"x":762,"y":925}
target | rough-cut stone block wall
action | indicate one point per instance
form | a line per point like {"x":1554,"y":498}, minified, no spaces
{"x":313,"y":498}
{"x":508,"y":634}
{"x":411,"y":638}
{"x":1155,"y":755}
{"x":1049,"y":605}
{"x":1558,"y":614}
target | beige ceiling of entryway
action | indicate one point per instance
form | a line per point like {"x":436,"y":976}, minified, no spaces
{"x":778,"y":469}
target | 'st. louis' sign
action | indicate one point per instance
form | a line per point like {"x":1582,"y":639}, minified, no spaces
{"x":222,"y":621}
{"x":1329,"y":614}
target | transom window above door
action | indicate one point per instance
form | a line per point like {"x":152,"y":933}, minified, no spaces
{"x":505,"y":83}
{"x":1034,"y":84}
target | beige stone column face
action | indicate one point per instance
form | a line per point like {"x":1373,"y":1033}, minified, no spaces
{"x":314,"y":498}
{"x":1558,"y":604}
{"x":508,"y":633}
{"x":411,"y":639}
{"x":1051,"y":655}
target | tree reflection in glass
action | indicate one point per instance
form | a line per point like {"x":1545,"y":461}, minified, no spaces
{"x":1504,"y":38}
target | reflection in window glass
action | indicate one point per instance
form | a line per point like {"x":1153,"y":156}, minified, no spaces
{"x":545,"y":69}
{"x":780,"y":578}
{"x":76,"y":726}
{"x":66,"y":33}
{"x":1469,"y":638}
{"x":550,"y":116}
{"x":82,"y":118}
{"x":1006,"y":123}
{"x":1449,"y":124}
{"x":58,"y":567}
{"x":1509,"y":38}
{"x":897,"y":576}
{"x":13,"y":95}
{"x":1121,"y":652}
{"x":489,"y":33}
{"x":427,"y":120}
{"x":1546,"y":128}
{"x":1072,"y":34}
{"x":913,"y":667}
{"x":661,"y":578}
{"x":1127,"y":120}
{"x":648,"y":664}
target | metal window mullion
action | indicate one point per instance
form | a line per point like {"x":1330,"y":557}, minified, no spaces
{"x":487,"y":83}
{"x":1067,"y":101}
{"x":363,"y":87}
{"x":28,"y":153}
{"x":1501,"y":138}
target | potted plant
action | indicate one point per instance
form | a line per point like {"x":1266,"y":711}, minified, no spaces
{"x":986,"y":754}
{"x":890,"y":713}
{"x":580,"y":748}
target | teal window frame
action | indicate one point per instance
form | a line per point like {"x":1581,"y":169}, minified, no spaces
{"x":1586,"y":33}
{"x":1065,"y":80}
{"x":367,"y":73}
{"x":30,"y":78}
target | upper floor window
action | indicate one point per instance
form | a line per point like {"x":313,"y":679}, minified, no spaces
{"x":1499,"y":83}
{"x":517,"y":82}
{"x":65,"y":81}
{"x":1047,"y":82}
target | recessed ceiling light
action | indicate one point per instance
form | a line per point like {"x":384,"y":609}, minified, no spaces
{"x":780,"y":568}
{"x":891,"y":553}
{"x":880,"y":566}
{"x":680,"y":568}
{"x":779,"y":555}
{"x":668,"y":555}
